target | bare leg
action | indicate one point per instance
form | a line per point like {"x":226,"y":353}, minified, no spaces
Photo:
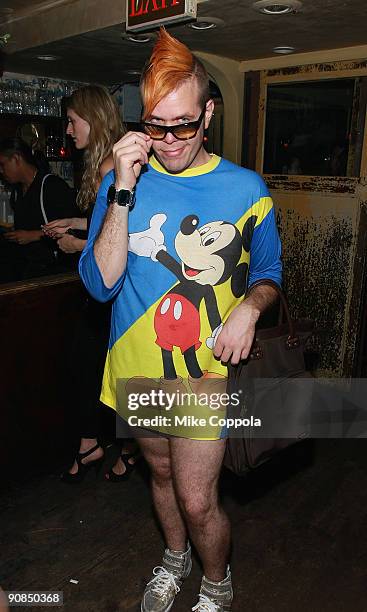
{"x":157,"y":453}
{"x":196,"y":466}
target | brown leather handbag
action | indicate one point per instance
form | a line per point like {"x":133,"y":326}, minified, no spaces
{"x":271,"y":392}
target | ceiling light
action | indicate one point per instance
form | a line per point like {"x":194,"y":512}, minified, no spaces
{"x":202,"y":25}
{"x":48,"y":58}
{"x":138,"y":38}
{"x":133,"y":72}
{"x":283,"y":50}
{"x":205,"y":23}
{"x":269,"y":7}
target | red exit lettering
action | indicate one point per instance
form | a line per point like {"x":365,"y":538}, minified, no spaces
{"x":142,"y":7}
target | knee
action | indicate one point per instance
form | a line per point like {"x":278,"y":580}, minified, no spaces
{"x":197,"y":508}
{"x":161,"y":470}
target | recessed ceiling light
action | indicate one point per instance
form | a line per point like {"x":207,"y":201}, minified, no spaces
{"x":48,"y":58}
{"x":205,"y":23}
{"x":202,"y":25}
{"x":283,"y":50}
{"x":269,"y":7}
{"x":138,"y":38}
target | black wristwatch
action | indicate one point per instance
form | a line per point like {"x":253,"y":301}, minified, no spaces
{"x":122,"y":197}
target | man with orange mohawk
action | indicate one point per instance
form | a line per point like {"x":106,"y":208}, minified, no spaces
{"x":170,"y":241}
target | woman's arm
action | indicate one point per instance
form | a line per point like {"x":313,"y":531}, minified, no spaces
{"x":70,"y":244}
{"x":56,"y":229}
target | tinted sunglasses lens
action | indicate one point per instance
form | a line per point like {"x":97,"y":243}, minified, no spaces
{"x":154,"y":131}
{"x":184,"y":131}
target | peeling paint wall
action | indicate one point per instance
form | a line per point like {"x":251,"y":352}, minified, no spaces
{"x":322,"y":222}
{"x":319,"y":239}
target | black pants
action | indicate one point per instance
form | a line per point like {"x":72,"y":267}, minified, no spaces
{"x":88,"y":359}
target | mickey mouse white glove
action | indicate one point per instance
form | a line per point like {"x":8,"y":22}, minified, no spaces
{"x":210,"y":342}
{"x":149,"y":242}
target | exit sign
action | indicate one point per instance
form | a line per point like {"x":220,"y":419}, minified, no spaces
{"x":147,"y":14}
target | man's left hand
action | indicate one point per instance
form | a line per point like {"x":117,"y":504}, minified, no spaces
{"x":235,"y":340}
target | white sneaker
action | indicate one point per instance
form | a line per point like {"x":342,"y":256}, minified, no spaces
{"x":205,"y":605}
{"x":162,"y":589}
{"x":215,"y":596}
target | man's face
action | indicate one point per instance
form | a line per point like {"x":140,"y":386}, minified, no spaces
{"x":181,"y":106}
{"x":9,"y":168}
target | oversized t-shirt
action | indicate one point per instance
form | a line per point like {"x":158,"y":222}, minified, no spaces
{"x":197,"y":240}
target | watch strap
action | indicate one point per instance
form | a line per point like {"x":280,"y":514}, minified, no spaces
{"x":121,"y":197}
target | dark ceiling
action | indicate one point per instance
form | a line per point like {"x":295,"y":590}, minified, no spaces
{"x":103,"y":56}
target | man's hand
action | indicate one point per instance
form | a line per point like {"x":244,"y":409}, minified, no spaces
{"x":23,"y":236}
{"x":210,"y":342}
{"x":130,"y":153}
{"x":235,"y":340}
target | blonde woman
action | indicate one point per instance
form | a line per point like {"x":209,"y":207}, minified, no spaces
{"x":94,"y":124}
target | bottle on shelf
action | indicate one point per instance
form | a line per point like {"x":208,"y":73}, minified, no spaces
{"x":6,"y":211}
{"x":50,"y":144}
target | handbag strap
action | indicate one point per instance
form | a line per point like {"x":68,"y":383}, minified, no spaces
{"x":41,"y":199}
{"x":43,"y":210}
{"x":283,"y":302}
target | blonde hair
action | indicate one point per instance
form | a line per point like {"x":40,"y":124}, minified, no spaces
{"x":170,"y":65}
{"x":96,"y":106}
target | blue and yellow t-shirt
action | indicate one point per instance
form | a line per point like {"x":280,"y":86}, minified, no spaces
{"x":197,"y":240}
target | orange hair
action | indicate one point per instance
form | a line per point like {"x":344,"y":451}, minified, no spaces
{"x":170,"y":65}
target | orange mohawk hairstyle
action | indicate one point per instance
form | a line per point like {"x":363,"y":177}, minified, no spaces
{"x":170,"y":65}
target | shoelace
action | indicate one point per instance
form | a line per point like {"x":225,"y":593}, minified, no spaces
{"x":162,"y":581}
{"x":205,"y":605}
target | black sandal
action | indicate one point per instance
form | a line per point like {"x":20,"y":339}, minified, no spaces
{"x":83,"y":468}
{"x":113,"y":477}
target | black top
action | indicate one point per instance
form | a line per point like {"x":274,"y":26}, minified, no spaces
{"x":58,"y":200}
{"x":43,"y":256}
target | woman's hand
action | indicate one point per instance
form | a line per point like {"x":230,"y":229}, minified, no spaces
{"x":56,"y":229}
{"x":70,"y":244}
{"x":23,"y":236}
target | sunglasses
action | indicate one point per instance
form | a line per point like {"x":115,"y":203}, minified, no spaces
{"x":181,"y":131}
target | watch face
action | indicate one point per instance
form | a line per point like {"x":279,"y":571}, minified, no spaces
{"x":123,"y":197}
{"x":111,"y":194}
